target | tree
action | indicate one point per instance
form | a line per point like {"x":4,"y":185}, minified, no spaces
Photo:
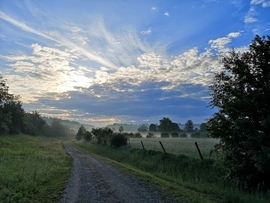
{"x":189,"y":127}
{"x":11,"y":111}
{"x":34,"y":123}
{"x":143,"y":128}
{"x":203,"y":127}
{"x":81,"y":132}
{"x":166,"y":125}
{"x":121,"y":129}
{"x":241,"y":93}
{"x":153,"y":127}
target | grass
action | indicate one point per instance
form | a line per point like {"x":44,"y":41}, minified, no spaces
{"x":32,"y":169}
{"x":176,"y":145}
{"x":190,"y":178}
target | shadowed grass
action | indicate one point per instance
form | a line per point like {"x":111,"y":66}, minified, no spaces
{"x":32,"y":169}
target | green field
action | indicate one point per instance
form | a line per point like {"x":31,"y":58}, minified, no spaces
{"x":176,"y":145}
{"x":32,"y":169}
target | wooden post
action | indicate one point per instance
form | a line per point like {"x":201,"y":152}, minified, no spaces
{"x":163,"y":147}
{"x":142,"y":145}
{"x":199,"y":150}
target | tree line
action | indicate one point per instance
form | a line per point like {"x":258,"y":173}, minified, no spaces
{"x":14,"y":119}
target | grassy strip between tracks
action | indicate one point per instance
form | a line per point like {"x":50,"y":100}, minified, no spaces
{"x":32,"y":169}
{"x":190,"y":178}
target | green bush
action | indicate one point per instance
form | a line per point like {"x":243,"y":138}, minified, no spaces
{"x":175,"y":134}
{"x":118,"y":140}
{"x":196,"y":135}
{"x":150,"y":135}
{"x":165,"y":134}
{"x":183,"y":135}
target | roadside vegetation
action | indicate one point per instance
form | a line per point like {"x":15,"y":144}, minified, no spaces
{"x":32,"y":169}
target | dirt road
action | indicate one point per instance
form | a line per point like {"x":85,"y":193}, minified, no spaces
{"x":92,"y":180}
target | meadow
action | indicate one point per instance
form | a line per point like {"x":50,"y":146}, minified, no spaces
{"x":177,"y":146}
{"x":32,"y":169}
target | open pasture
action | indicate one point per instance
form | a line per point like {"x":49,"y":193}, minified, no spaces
{"x":176,"y":145}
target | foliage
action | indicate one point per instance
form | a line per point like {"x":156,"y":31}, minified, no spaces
{"x":153,"y":127}
{"x":175,"y":134}
{"x":203,"y":127}
{"x":87,"y":136}
{"x":143,"y":128}
{"x":121,"y":129}
{"x":183,"y":135}
{"x":34,"y":123}
{"x":166,"y":125}
{"x":11,"y":111}
{"x":133,"y":135}
{"x":241,"y":93}
{"x":196,"y":135}
{"x":80,"y":133}
{"x":150,"y":135}
{"x":165,"y":134}
{"x":102,"y":134}
{"x":189,"y":126}
{"x":118,"y":140}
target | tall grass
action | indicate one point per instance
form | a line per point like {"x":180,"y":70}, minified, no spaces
{"x":32,"y":169}
{"x":191,"y":178}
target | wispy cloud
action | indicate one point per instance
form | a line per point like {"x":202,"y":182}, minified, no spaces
{"x":167,"y":13}
{"x":265,"y":3}
{"x":146,"y":32}
{"x":250,"y":16}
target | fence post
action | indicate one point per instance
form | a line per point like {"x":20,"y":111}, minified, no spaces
{"x":162,"y":147}
{"x":197,"y":146}
{"x":142,"y":145}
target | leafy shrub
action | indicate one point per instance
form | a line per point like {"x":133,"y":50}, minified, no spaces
{"x":183,"y":135}
{"x":118,"y":140}
{"x":175,"y":134}
{"x":165,"y":134}
{"x":87,"y":136}
{"x":195,"y":135}
{"x":150,"y":135}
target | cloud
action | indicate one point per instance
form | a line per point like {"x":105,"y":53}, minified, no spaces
{"x":250,"y":16}
{"x":265,"y":3}
{"x":59,"y":39}
{"x":146,"y":32}
{"x":154,"y":9}
{"x":220,"y":44}
{"x":167,"y":14}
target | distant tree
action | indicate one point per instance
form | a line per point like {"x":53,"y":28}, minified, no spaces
{"x":121,"y":129}
{"x":87,"y":136}
{"x":183,"y":135}
{"x":81,"y":132}
{"x":153,"y":127}
{"x":34,"y":123}
{"x":164,"y":134}
{"x":150,"y":135}
{"x":166,"y":125}
{"x":175,"y":134}
{"x":241,"y":93}
{"x":203,"y":127}
{"x":143,"y":128}
{"x":189,"y":127}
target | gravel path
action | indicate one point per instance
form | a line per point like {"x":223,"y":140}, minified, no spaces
{"x":92,"y":180}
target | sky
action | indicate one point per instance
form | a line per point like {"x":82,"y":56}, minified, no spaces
{"x":122,"y":61}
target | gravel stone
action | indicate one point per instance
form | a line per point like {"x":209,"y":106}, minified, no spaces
{"x":93,"y":181}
